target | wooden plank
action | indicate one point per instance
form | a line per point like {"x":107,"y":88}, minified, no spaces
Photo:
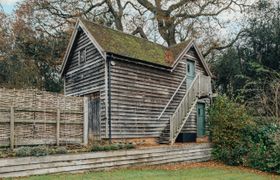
{"x":12,"y":128}
{"x":58,"y":127}
{"x":47,"y":110}
{"x":85,"y":130}
{"x":106,"y":99}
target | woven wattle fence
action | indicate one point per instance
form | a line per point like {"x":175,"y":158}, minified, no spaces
{"x":32,"y":117}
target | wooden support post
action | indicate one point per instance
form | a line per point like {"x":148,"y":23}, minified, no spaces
{"x":106,"y":102}
{"x":199,"y":84}
{"x":57,"y":127}
{"x":85,"y":138}
{"x":171,"y":130}
{"x":12,"y":128}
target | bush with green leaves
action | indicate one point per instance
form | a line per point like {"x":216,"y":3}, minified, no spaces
{"x":60,"y":150}
{"x":227,"y":123}
{"x":264,"y":151}
{"x":23,"y":151}
{"x":111,"y":147}
{"x":240,"y":139}
{"x":40,"y":151}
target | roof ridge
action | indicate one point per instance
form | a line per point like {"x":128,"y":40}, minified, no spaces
{"x":180,"y":43}
{"x":104,"y":26}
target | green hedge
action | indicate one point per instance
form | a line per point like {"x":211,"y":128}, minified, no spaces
{"x":240,"y":139}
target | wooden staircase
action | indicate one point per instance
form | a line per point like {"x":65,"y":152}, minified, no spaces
{"x":201,"y":86}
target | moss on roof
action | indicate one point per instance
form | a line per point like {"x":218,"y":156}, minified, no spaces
{"x":117,"y":42}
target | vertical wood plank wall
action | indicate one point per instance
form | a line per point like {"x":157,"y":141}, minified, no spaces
{"x":86,"y":77}
{"x":191,"y":124}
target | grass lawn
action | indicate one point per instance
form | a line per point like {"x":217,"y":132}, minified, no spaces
{"x":209,"y":170}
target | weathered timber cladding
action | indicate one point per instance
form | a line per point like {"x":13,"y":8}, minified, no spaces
{"x":194,"y":56}
{"x":87,"y":77}
{"x":191,"y":124}
{"x":140,"y":93}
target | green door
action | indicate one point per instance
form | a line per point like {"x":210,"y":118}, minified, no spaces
{"x":201,"y":120}
{"x":190,"y":72}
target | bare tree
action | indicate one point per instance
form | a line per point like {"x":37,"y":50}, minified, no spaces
{"x":175,"y":20}
{"x":171,"y":15}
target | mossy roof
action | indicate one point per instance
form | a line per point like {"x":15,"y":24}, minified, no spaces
{"x":119,"y":43}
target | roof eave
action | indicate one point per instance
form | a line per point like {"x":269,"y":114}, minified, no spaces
{"x":190,"y":44}
{"x":187,"y":48}
{"x":138,"y":61}
{"x":79,"y":24}
{"x":202,"y":60}
{"x":93,"y":40}
{"x":68,"y":49}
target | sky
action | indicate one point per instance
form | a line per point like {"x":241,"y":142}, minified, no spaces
{"x":8,"y":5}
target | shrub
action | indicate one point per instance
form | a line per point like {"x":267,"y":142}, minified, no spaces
{"x":111,"y":147}
{"x":130,"y":146}
{"x":97,"y":148}
{"x":115,"y":147}
{"x":40,"y":151}
{"x":60,"y":150}
{"x":264,"y":153}
{"x":227,"y":123}
{"x":240,"y":139}
{"x":23,"y":151}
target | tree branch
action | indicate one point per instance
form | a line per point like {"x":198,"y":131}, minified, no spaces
{"x":59,"y":13}
{"x":140,"y":31}
{"x":148,"y":5}
{"x":219,"y":48}
{"x":202,"y":8}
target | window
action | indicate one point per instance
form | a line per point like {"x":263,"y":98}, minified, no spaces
{"x":189,"y":67}
{"x":82,"y":55}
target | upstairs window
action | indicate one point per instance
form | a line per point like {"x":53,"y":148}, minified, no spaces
{"x":82,"y":56}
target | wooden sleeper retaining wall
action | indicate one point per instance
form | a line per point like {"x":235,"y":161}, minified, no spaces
{"x":16,"y":167}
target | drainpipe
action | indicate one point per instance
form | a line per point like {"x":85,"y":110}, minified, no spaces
{"x":109,"y":97}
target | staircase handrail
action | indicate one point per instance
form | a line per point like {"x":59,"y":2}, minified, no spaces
{"x":172,"y":97}
{"x":186,"y":93}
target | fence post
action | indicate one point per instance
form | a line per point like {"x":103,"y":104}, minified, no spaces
{"x":57,"y":127}
{"x":85,"y":121}
{"x":12,"y":128}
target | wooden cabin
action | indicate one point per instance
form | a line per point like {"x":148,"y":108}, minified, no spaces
{"x":137,"y":89}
